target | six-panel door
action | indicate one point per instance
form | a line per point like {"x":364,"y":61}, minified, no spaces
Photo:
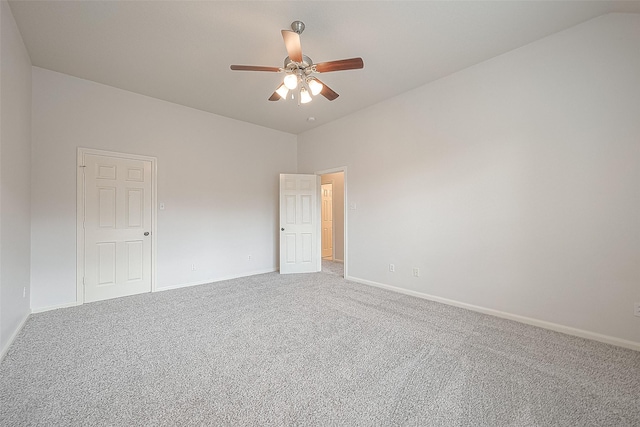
{"x":299,"y":224}
{"x":117,"y":225}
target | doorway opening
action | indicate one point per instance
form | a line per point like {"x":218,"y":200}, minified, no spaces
{"x":333,"y":221}
{"x":327,"y":221}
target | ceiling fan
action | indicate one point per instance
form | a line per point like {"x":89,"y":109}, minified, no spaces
{"x":299,"y":70}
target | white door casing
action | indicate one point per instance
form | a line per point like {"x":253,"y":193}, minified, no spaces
{"x":116,"y":225}
{"x":300,"y":243}
{"x":327,"y":220}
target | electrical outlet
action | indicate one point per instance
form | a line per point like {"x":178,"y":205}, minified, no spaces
{"x":636,"y":310}
{"x":392,"y":268}
{"x":416,"y":272}
{"x":193,"y":267}
{"x":249,"y":258}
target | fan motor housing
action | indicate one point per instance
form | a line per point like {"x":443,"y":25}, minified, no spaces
{"x":292,"y":65}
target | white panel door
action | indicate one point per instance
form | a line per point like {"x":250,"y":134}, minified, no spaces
{"x":117,"y":227}
{"x":299,"y":224}
{"x":327,"y":220}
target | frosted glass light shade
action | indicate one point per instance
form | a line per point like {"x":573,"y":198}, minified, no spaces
{"x":282,"y":91}
{"x":291,"y":81}
{"x":304,"y":96}
{"x":315,"y":86}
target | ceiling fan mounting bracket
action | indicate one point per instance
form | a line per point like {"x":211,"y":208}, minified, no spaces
{"x":297,"y":27}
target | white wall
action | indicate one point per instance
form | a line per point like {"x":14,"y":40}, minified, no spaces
{"x":217,"y":177}
{"x":514,"y":185}
{"x":15,"y":176}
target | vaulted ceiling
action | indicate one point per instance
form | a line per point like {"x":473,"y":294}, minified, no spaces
{"x":180,"y":51}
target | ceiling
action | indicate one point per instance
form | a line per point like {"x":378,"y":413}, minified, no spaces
{"x":180,"y":51}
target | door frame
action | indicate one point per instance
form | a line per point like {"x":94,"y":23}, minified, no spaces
{"x":342,"y":169}
{"x":80,"y":210}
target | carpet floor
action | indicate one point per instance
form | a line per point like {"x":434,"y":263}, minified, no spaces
{"x":308,"y":349}
{"x":333,"y":267}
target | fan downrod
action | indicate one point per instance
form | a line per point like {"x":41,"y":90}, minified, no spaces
{"x":297,"y":27}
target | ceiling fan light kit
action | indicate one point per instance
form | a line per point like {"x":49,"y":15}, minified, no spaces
{"x":304,"y":96}
{"x":282,"y":91}
{"x":298,"y":69}
{"x":291,"y":81}
{"x":315,"y":86}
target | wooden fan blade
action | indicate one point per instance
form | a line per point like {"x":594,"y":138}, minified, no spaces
{"x":327,"y":92}
{"x":292,"y":43}
{"x":254,"y":68}
{"x":275,"y":97}
{"x":340,"y":65}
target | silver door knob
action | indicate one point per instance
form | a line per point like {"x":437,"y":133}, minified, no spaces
{"x":146,"y":233}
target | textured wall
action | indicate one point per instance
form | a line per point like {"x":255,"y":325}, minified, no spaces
{"x":514,"y":185}
{"x":15,"y":178}
{"x":217,"y":177}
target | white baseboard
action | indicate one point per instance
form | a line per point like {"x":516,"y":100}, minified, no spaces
{"x":13,"y":336}
{"x":339,"y":260}
{"x":217,"y":279}
{"x":54,"y":307}
{"x":165,"y":288}
{"x":504,"y":315}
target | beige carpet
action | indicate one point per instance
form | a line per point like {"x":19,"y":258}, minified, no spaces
{"x":306,"y":350}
